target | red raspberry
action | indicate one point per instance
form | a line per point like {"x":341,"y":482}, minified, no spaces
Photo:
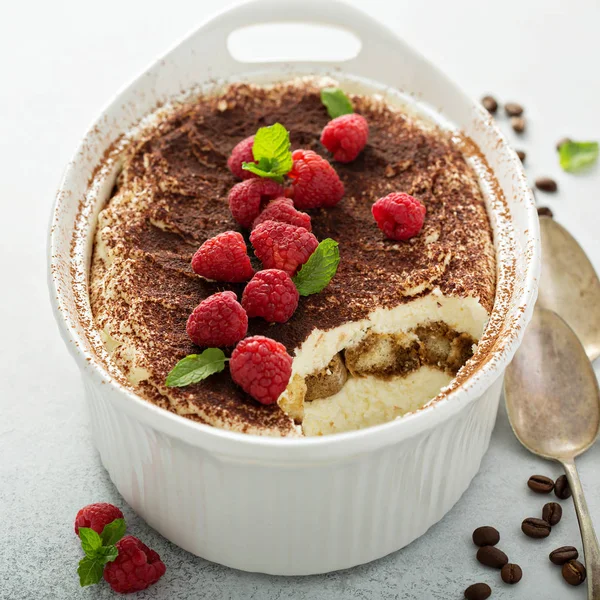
{"x":261,"y":367}
{"x":97,"y":516}
{"x":272,"y":295}
{"x":240,"y":154}
{"x":218,"y":321}
{"x":223,"y":258}
{"x":399,"y":215}
{"x":282,"y":210}
{"x":135,"y":568}
{"x":247,"y":197}
{"x":345,"y":137}
{"x":315,"y":182}
{"x":282,"y":246}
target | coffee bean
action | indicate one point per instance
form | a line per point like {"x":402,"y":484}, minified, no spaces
{"x":562,"y":489}
{"x":521,"y":155}
{"x":552,"y":513}
{"x":562,"y":141}
{"x":544,"y":211}
{"x":540,"y":484}
{"x":513,"y":109}
{"x":491,"y":557}
{"x":478,"y":591}
{"x":535,"y":528}
{"x":563,"y":555}
{"x":518,"y":124}
{"x":546,"y":184}
{"x":574,"y":572}
{"x":490,"y":104}
{"x":486,"y":536}
{"x":511,"y":573}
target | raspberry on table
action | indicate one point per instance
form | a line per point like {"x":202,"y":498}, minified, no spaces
{"x":283,"y":210}
{"x":97,"y":516}
{"x":247,"y":198}
{"x":272,"y":295}
{"x":218,"y":321}
{"x":345,"y":137}
{"x":399,"y":215}
{"x":223,"y":258}
{"x":261,"y":367}
{"x":240,"y":154}
{"x":282,"y":246}
{"x":135,"y":568}
{"x":315,"y":181}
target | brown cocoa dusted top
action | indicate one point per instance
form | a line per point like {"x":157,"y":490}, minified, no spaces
{"x":172,"y":195}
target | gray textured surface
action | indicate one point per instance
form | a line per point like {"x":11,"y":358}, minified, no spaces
{"x":58,"y":69}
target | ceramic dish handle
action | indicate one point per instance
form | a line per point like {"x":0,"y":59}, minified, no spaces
{"x":375,"y":38}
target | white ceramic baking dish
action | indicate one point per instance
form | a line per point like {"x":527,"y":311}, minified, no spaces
{"x":283,"y":506}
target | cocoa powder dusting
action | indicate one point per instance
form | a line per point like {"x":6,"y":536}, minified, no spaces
{"x":172,"y":195}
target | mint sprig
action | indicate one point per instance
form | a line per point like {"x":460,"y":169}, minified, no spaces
{"x":336,"y":102}
{"x":271,"y":150}
{"x":99,"y":550}
{"x":575,"y":156}
{"x":319,"y":269}
{"x":196,"y":367}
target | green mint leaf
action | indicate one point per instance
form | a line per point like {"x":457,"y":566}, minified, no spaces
{"x":254,"y":168}
{"x":90,"y":571}
{"x":107,"y":554}
{"x":113,"y":532}
{"x":319,"y":269}
{"x":575,"y":156}
{"x":271,"y":150}
{"x":91,"y":542}
{"x":336,"y":102}
{"x":196,"y":367}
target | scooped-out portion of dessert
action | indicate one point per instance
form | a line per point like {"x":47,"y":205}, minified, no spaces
{"x":351,"y":344}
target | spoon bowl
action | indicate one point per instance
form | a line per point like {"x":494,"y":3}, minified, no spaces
{"x":569,"y":284}
{"x":552,"y":398}
{"x":553,"y":404}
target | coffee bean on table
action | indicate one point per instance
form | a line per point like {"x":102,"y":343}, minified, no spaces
{"x":511,"y":573}
{"x":563,"y":555}
{"x":521,"y":155}
{"x":490,"y":556}
{"x":574,"y":572}
{"x":562,"y":141}
{"x":535,"y":528}
{"x":546,"y":184}
{"x":544,"y":211}
{"x":540,"y":484}
{"x":562,"y":489}
{"x":513,"y":109}
{"x":486,"y":536}
{"x":518,"y":124}
{"x":478,"y":591}
{"x":490,"y":104}
{"x":552,"y":513}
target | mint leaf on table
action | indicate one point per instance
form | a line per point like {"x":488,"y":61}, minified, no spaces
{"x":99,"y":550}
{"x":91,"y":542}
{"x":319,"y":269}
{"x":90,"y":571}
{"x":336,"y":102}
{"x":91,"y":568}
{"x":113,"y":532}
{"x":196,"y":367}
{"x":575,"y":156}
{"x":107,"y":554}
{"x":272,"y":153}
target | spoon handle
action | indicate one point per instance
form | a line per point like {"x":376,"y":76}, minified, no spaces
{"x":591,"y":548}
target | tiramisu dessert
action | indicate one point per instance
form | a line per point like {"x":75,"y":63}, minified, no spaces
{"x":291,"y":260}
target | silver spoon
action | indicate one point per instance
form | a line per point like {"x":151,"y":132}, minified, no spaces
{"x":569,"y":285}
{"x":553,"y":404}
